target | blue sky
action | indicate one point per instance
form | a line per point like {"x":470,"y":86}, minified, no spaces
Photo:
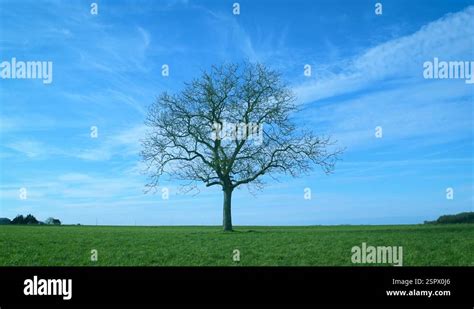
{"x":367,"y":71}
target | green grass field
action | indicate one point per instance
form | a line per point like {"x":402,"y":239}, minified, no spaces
{"x":423,"y":245}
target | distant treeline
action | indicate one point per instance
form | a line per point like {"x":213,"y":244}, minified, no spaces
{"x":29,"y":219}
{"x":463,"y":217}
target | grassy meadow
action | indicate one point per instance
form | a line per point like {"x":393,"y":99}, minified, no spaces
{"x":423,"y":245}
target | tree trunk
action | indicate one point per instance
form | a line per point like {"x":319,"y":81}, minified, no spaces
{"x":227,"y":221}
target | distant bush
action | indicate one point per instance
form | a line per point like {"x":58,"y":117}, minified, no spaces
{"x":52,"y":221}
{"x":5,"y":221}
{"x":463,"y":217}
{"x":29,"y":219}
{"x":18,"y":220}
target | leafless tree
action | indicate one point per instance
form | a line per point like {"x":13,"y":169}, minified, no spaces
{"x":189,"y":137}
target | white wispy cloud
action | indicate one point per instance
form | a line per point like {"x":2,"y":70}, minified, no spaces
{"x":417,"y":110}
{"x":384,"y":87}
{"x":124,"y":143}
{"x":145,"y":37}
{"x":447,"y":38}
{"x":31,"y":149}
